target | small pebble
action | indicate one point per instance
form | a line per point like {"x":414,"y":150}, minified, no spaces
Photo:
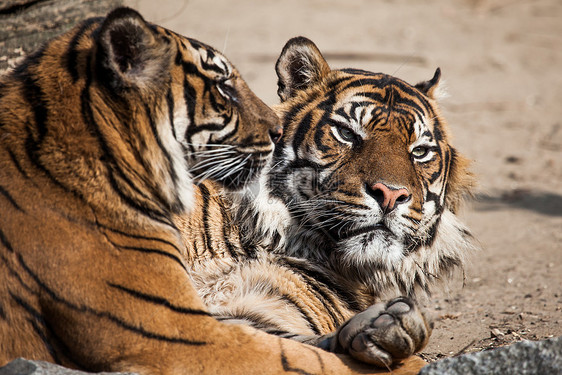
{"x":496,"y":333}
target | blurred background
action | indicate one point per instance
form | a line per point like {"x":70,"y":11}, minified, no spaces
{"x":502,"y":64}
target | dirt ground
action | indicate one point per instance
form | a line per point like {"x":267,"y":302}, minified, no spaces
{"x":502,"y":63}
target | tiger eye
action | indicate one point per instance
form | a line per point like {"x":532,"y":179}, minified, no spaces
{"x":346,"y":134}
{"x":420,"y":152}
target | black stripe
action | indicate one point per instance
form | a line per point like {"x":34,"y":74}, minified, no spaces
{"x":176,"y":206}
{"x":10,"y":199}
{"x":39,"y":326}
{"x":205,"y":195}
{"x":252,"y":319}
{"x":170,"y":101}
{"x":412,"y":219}
{"x":339,"y":204}
{"x":380,"y":81}
{"x":15,"y":274}
{"x":211,"y":66}
{"x":227,"y":121}
{"x":212,"y":100}
{"x":17,"y":9}
{"x":449,"y":162}
{"x":431,"y":233}
{"x":190,"y":99}
{"x":284,"y":334}
{"x":410,"y":104}
{"x":211,"y":126}
{"x":417,"y":210}
{"x":17,"y":164}
{"x":88,"y":118}
{"x":179,"y":58}
{"x":432,"y":197}
{"x":32,"y":149}
{"x":72,"y":54}
{"x":35,"y":98}
{"x":197,"y":44}
{"x":345,"y":296}
{"x":155,"y":193}
{"x":302,"y":129}
{"x":38,"y":317}
{"x":137,"y":236}
{"x":289,"y":299}
{"x":158,"y":301}
{"x":305,"y":163}
{"x":319,"y":141}
{"x":159,"y":216}
{"x":362,"y":72}
{"x":106,"y":315}
{"x":437,"y":127}
{"x":151,"y":251}
{"x":287,"y":119}
{"x":5,"y":242}
{"x":285,"y":362}
{"x":324,"y":295}
{"x":329,"y":156}
{"x":226,"y":231}
{"x":350,"y":194}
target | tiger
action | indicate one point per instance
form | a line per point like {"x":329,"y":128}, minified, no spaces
{"x":357,"y":205}
{"x":102,"y":134}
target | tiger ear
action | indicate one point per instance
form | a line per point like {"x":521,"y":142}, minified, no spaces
{"x":431,"y":87}
{"x":300,"y":66}
{"x":130,"y":52}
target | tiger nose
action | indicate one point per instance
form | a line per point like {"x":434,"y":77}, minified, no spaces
{"x":276,"y":133}
{"x":387,"y":197}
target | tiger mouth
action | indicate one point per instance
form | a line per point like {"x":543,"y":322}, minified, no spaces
{"x":379,"y":227}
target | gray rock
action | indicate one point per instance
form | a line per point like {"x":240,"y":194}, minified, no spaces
{"x":522,"y":358}
{"x":23,"y":366}
{"x":27,"y":24}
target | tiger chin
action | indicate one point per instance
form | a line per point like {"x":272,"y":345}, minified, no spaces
{"x":358,"y":202}
{"x":102,"y":134}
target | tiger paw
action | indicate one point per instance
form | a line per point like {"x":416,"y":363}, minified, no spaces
{"x":385,"y":333}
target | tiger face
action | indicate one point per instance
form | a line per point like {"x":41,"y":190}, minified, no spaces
{"x":225,"y":132}
{"x":230,"y":138}
{"x":364,"y":167}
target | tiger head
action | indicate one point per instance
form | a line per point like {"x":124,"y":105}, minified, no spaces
{"x":137,"y":113}
{"x":364,"y":172}
{"x":225,"y":132}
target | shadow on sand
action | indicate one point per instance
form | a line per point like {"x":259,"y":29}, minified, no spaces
{"x":545,"y":203}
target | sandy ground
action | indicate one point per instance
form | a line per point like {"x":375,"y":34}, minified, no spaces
{"x":502,"y":62}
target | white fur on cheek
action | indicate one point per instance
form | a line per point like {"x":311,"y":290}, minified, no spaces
{"x":274,"y":216}
{"x":181,"y":121}
{"x":182,"y":188}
